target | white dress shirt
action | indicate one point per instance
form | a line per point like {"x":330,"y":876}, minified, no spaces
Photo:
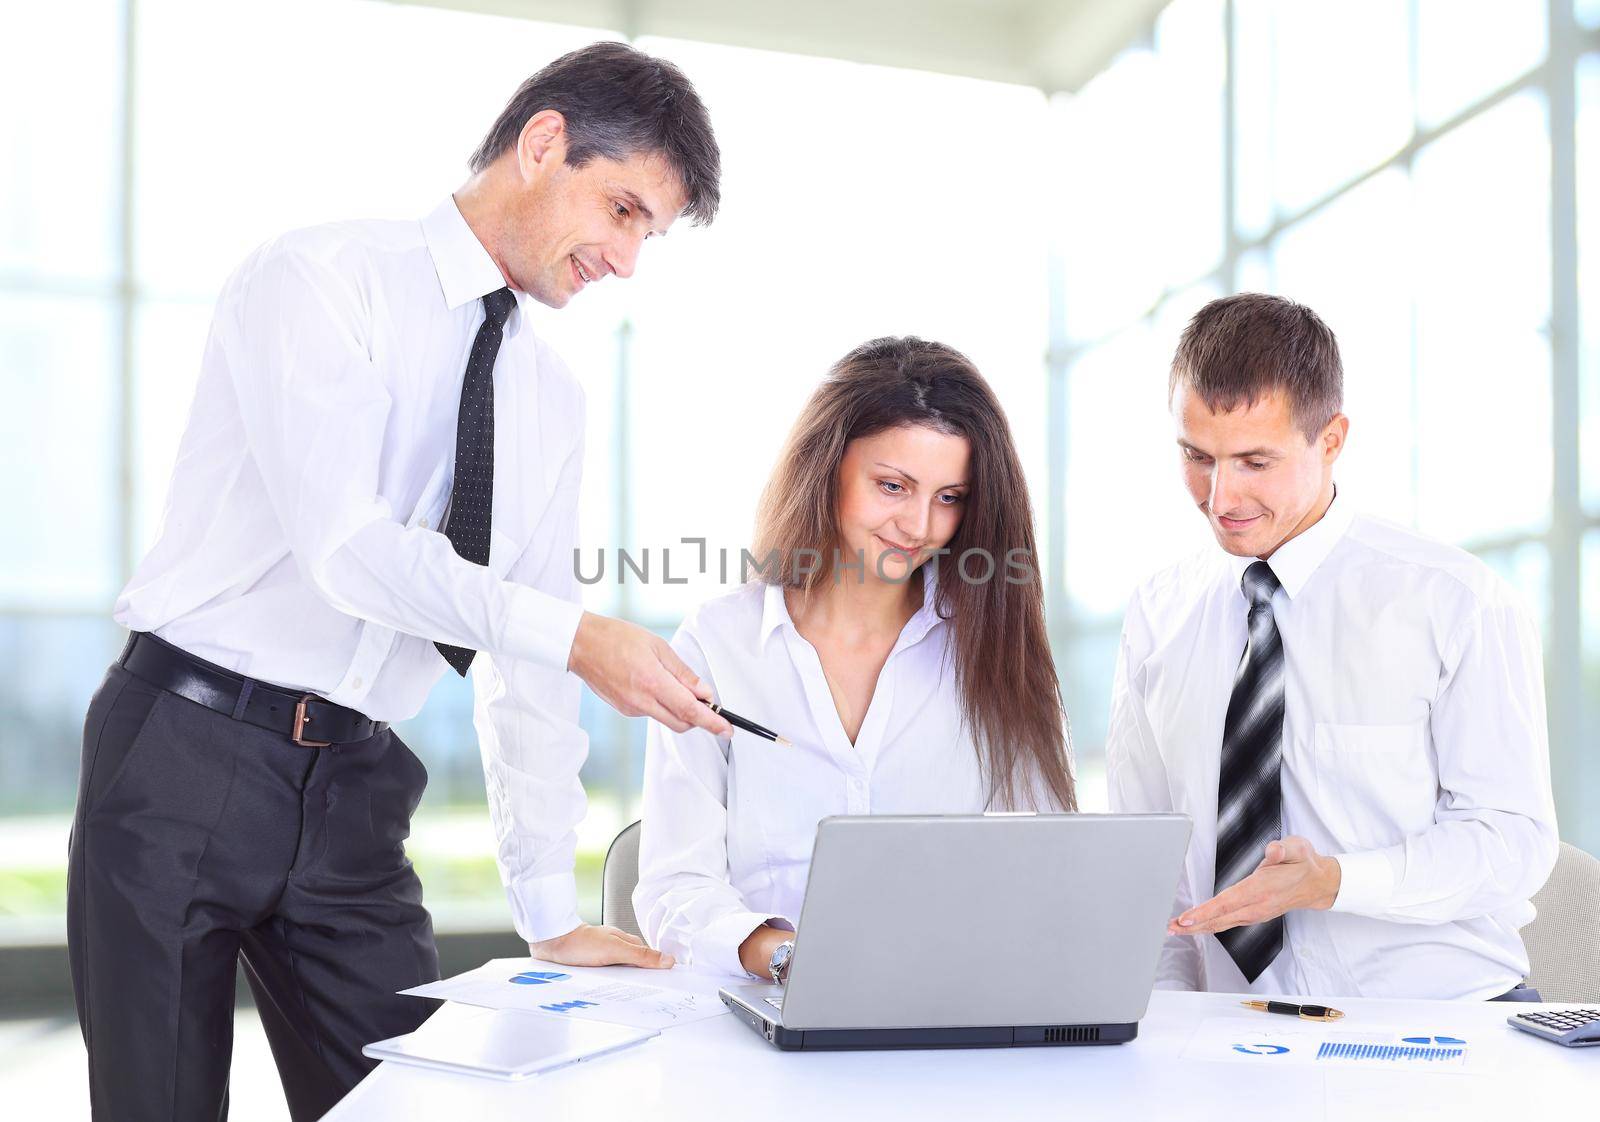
{"x":300,"y":542}
{"x":1414,"y":751}
{"x":729,"y":824}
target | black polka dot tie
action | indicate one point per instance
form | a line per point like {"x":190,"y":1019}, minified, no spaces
{"x":472,"y":493}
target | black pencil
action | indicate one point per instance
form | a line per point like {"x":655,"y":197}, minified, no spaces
{"x":748,"y":725}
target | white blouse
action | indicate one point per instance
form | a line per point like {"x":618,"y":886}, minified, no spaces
{"x":729,"y":824}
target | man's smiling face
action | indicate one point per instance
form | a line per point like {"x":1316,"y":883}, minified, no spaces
{"x":1252,"y":472}
{"x":569,"y":227}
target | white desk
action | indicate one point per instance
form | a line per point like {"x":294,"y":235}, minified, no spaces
{"x":719,"y":1069}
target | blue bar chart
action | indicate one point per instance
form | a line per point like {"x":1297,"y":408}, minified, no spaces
{"x":1399,"y":1053}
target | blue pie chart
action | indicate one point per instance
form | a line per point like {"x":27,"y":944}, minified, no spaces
{"x":538,"y":978}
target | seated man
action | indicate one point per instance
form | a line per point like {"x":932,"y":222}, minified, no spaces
{"x":1352,"y":714}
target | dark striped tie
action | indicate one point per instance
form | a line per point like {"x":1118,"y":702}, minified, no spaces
{"x":1249,"y":798}
{"x":472,"y":491}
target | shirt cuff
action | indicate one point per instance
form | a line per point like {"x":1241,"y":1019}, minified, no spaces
{"x":544,"y":907}
{"x":541,"y":627}
{"x":1366,"y":881}
{"x":717,"y":945}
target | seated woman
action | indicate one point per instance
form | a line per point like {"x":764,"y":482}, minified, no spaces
{"x":896,"y":635}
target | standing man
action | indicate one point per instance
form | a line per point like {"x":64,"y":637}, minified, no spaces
{"x":378,"y":483}
{"x":1351,"y":713}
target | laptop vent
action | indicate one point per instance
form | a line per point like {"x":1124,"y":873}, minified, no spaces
{"x":1072,"y":1034}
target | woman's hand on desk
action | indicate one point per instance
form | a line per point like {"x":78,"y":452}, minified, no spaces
{"x":586,"y":945}
{"x":639,"y":675}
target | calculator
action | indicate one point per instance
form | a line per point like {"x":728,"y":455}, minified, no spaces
{"x":1575,"y":1028}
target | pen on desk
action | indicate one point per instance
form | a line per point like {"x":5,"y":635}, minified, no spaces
{"x":1304,"y":1012}
{"x":748,"y":725}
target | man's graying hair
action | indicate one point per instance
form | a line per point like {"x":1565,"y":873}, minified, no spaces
{"x":1239,"y":349}
{"x":619,"y":102}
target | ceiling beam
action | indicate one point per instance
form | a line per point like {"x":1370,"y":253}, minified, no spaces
{"x":1054,"y":45}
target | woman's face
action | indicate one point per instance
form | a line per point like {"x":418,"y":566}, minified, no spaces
{"x":901,"y":496}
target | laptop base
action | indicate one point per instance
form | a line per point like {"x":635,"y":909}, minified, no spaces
{"x":1021,"y":1036}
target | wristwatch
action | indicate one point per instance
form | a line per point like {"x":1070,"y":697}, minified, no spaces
{"x":779,"y":966}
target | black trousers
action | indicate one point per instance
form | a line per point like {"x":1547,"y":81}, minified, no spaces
{"x":200,"y":841}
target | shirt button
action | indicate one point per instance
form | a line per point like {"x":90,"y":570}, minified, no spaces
{"x":357,"y":682}
{"x":423,"y":523}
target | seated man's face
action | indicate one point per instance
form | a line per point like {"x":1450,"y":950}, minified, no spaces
{"x":1252,"y":472}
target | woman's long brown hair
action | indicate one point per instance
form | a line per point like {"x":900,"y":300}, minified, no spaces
{"x":1010,"y":696}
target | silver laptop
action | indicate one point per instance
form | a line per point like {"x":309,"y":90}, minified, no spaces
{"x":974,"y":931}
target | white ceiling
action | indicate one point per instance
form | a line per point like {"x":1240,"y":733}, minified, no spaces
{"x":1052,"y":44}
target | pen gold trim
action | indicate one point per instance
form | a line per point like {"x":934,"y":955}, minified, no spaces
{"x":1304,"y":1012}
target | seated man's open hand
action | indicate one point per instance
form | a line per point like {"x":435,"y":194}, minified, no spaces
{"x":1292,"y":875}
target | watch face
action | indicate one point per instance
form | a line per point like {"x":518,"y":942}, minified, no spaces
{"x":780,"y":957}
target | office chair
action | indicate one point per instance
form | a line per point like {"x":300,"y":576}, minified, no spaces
{"x":1563,"y":941}
{"x":620,"y":875}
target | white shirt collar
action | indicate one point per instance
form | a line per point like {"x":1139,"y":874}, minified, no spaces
{"x":775,"y":611}
{"x":1295,"y":560}
{"x":465,"y":269}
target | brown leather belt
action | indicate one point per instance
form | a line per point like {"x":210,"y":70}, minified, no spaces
{"x":306,"y":719}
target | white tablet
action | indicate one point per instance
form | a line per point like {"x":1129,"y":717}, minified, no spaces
{"x":504,"y":1043}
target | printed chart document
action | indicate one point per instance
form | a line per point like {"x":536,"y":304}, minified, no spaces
{"x":618,"y":995}
{"x":1267,"y":1041}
